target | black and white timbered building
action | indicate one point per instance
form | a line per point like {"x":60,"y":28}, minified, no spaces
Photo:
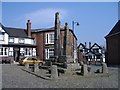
{"x":16,"y":42}
{"x":94,"y":53}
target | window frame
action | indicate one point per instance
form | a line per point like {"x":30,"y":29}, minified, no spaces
{"x":20,"y":39}
{"x":4,"y":51}
{"x":48,"y":51}
{"x":11,"y":38}
{"x":49,"y":38}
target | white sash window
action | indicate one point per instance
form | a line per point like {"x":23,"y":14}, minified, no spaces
{"x":11,"y":51}
{"x":4,"y":51}
{"x":49,"y":52}
{"x":49,"y":38}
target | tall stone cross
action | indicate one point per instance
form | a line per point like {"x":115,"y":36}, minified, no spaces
{"x":66,"y":40}
{"x":57,"y":44}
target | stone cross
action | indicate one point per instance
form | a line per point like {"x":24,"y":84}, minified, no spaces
{"x":66,"y":40}
{"x":57,"y":44}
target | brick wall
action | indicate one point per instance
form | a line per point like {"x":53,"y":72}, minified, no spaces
{"x":40,"y":42}
{"x":113,"y":49}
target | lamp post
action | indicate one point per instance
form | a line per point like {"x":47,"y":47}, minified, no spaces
{"x":74,"y":23}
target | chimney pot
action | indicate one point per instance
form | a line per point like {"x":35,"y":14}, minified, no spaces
{"x":29,"y":20}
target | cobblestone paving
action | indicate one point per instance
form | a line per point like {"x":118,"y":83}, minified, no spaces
{"x":14,"y":77}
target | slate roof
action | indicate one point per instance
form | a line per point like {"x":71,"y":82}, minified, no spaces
{"x":19,"y":32}
{"x":96,"y":45}
{"x":15,"y":32}
{"x":115,"y":30}
{"x":81,"y":44}
{"x":46,"y":29}
{"x":51,"y":29}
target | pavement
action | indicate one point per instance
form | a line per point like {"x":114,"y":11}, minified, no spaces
{"x":14,"y":77}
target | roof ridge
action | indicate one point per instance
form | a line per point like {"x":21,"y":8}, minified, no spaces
{"x":115,"y":29}
{"x":14,"y":28}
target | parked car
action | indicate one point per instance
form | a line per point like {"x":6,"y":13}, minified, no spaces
{"x":30,"y":60}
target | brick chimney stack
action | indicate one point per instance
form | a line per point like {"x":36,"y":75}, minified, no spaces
{"x":85,"y":45}
{"x":89,"y":45}
{"x":29,"y":28}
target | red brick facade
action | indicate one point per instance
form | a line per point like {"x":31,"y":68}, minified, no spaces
{"x":40,"y":37}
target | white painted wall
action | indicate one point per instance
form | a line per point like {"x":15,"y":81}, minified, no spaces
{"x":28,"y":41}
{"x":103,"y":56}
{"x":15,"y":40}
{"x":11,"y":49}
{"x":5,"y":37}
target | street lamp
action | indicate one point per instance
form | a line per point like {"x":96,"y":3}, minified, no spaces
{"x":77,"y":24}
{"x":73,"y":23}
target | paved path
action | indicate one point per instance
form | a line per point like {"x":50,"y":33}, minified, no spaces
{"x":14,"y":77}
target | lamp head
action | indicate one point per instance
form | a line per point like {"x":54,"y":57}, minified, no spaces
{"x":77,"y":24}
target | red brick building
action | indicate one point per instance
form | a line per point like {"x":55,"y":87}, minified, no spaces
{"x":113,"y":45}
{"x":45,"y":42}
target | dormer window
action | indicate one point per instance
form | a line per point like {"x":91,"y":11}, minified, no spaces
{"x":21,"y":40}
{"x":11,"y":40}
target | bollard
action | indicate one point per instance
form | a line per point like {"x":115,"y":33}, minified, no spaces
{"x":50,"y":63}
{"x":81,"y":63}
{"x":54,"y":72}
{"x":36,"y":68}
{"x":26,"y":65}
{"x":104,"y":68}
{"x":84,"y":70}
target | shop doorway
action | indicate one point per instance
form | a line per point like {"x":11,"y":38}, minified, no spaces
{"x":16,"y":54}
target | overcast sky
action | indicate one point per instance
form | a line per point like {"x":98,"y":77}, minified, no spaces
{"x":96,"y":18}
